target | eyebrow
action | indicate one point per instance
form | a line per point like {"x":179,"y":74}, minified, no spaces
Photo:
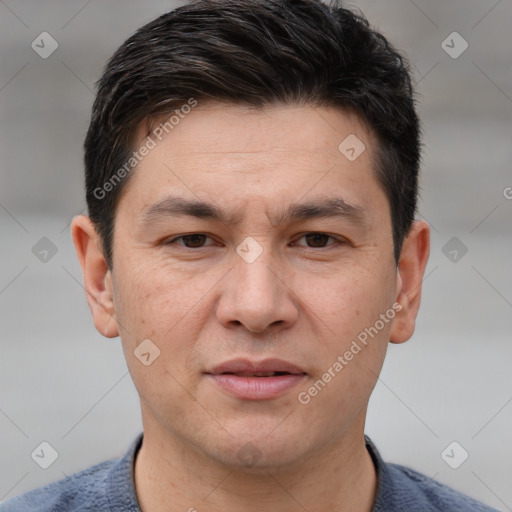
{"x":173,"y":206}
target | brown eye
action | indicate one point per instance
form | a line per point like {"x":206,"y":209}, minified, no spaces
{"x":317,"y":239}
{"x":194,"y":241}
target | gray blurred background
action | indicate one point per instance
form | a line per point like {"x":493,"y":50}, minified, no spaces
{"x":63,"y":383}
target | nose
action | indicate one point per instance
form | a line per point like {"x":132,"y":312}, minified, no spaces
{"x":257,"y":295}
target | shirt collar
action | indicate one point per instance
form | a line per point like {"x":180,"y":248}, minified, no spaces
{"x":122,"y":495}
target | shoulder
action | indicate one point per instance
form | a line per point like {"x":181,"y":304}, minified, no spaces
{"x":402,"y":489}
{"x":414,"y":491}
{"x":85,"y":489}
{"x":108,"y":486}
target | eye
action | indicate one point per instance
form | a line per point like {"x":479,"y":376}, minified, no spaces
{"x":319,"y":240}
{"x":193,"y":241}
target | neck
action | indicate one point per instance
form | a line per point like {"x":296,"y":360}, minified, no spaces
{"x":172,"y":477}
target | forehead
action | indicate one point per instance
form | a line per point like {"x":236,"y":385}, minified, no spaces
{"x":234,"y":127}
{"x":232,"y":153}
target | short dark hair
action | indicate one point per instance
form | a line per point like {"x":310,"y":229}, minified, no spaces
{"x":255,"y":53}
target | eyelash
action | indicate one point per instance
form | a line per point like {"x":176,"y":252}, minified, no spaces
{"x":173,"y":241}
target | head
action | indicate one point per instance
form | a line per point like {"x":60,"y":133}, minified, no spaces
{"x":251,"y":179}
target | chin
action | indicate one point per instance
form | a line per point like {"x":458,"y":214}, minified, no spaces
{"x":256,"y":452}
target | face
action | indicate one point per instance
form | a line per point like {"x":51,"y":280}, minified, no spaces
{"x":247,"y":243}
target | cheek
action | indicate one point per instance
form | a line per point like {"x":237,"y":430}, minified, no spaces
{"x":158,"y":303}
{"x":349,"y":301}
{"x":156,"y":309}
{"x":349,"y":371}
{"x":152,"y":295}
{"x":357,"y":315}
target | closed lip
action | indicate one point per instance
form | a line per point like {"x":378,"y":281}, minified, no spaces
{"x":248,"y":367}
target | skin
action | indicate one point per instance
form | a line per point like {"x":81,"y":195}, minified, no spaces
{"x":303,"y":300}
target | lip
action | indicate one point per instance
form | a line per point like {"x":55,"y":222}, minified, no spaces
{"x":250,"y":387}
{"x":247,"y":366}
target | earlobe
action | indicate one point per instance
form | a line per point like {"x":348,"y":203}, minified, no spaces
{"x":411,"y":269}
{"x":96,"y":276}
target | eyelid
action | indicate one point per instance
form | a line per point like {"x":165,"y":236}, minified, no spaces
{"x":173,"y":240}
{"x":337,"y":240}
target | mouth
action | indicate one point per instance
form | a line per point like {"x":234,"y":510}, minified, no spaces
{"x":257,"y":374}
{"x":251,"y":380}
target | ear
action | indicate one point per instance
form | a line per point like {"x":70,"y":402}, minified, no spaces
{"x":97,"y":276}
{"x":411,"y":268}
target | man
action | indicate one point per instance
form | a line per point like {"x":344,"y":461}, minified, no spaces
{"x":252,"y":174}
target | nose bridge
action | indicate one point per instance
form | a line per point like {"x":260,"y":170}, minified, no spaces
{"x":255,"y":275}
{"x":257,"y":285}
